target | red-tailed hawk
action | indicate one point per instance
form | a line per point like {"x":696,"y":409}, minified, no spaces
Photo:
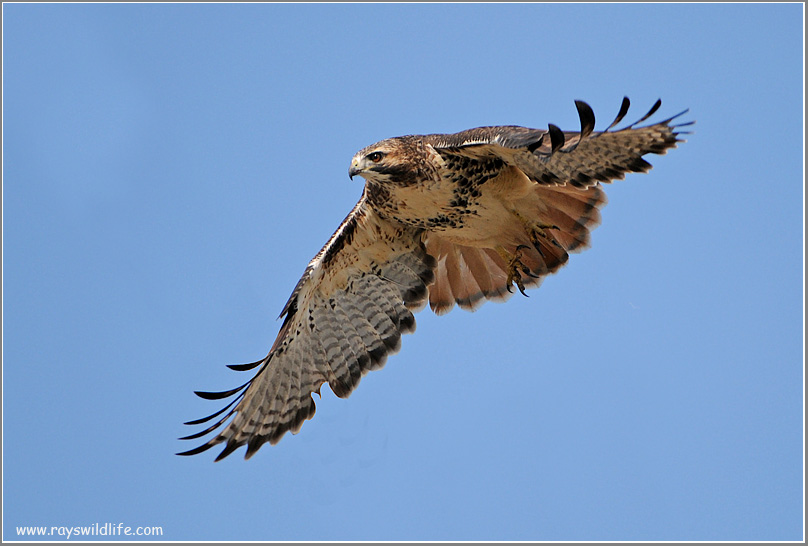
{"x":453,"y":219}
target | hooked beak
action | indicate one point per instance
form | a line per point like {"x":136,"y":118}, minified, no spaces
{"x":354,"y":170}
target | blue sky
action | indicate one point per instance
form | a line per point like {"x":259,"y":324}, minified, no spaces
{"x":169,"y":170}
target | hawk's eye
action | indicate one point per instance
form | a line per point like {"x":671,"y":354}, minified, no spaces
{"x":375,"y":157}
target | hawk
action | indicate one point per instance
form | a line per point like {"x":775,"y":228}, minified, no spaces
{"x":446,"y":218}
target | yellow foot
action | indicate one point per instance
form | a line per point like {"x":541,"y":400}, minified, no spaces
{"x":516,"y":268}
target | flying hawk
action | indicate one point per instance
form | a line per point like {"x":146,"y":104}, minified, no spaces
{"x":450,"y":218}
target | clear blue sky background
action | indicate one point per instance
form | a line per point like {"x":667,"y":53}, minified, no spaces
{"x":169,"y":170}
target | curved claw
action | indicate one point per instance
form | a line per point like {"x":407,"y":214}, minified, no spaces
{"x":527,"y":272}
{"x":515,"y":269}
{"x":521,"y":288}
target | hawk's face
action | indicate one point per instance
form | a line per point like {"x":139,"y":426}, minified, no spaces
{"x":393,"y":161}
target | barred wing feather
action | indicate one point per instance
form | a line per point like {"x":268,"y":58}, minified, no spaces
{"x":345,"y":316}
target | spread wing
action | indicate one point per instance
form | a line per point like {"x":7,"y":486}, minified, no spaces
{"x":561,"y":209}
{"x":555,"y":157}
{"x":345,"y":315}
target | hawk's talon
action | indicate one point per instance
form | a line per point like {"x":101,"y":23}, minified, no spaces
{"x":521,"y":288}
{"x":514,"y":266}
{"x":515,"y":279}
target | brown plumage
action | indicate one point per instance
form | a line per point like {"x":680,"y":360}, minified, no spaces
{"x":449,"y":219}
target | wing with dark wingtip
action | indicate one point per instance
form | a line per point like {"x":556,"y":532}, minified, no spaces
{"x":556,"y":157}
{"x":344,"y":317}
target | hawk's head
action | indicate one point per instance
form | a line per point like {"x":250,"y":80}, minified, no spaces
{"x":400,"y":161}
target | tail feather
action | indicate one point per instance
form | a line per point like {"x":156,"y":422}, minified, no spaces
{"x":562,"y":218}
